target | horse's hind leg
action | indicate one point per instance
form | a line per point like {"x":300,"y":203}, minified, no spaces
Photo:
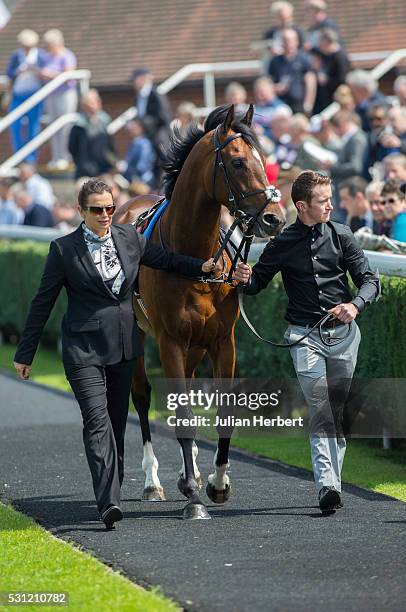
{"x":141,"y":396}
{"x":218,"y":486}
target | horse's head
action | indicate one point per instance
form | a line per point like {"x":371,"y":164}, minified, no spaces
{"x":239,"y":178}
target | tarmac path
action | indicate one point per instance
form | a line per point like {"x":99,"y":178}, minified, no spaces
{"x":268,"y":548}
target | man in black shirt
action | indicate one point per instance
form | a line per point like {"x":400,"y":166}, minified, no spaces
{"x":314,"y":255}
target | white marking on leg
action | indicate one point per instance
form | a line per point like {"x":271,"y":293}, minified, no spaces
{"x":219,"y":479}
{"x":150,"y":467}
{"x":195,"y":452}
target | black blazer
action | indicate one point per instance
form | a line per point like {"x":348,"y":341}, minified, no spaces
{"x":98,"y":328}
{"x":157,"y":112}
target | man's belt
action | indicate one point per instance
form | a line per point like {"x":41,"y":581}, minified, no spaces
{"x":332,"y":323}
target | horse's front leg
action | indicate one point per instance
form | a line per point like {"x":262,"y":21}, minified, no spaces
{"x":218,"y":486}
{"x":141,"y":396}
{"x":173,"y":359}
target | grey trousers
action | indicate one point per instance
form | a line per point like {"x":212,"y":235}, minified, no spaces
{"x":324,"y":374}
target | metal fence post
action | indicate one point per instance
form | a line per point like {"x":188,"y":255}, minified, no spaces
{"x":209,"y":89}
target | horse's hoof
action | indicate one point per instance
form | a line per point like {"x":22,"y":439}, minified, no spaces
{"x":218,"y":496}
{"x":195,"y":512}
{"x":153,"y":494}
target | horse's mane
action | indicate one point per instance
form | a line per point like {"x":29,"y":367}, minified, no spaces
{"x":181,"y":145}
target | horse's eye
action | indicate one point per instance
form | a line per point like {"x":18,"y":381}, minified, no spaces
{"x":237,"y":163}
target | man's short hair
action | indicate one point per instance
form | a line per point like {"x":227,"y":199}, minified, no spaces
{"x":277,"y":7}
{"x":354,"y":185}
{"x":329,"y":35}
{"x":362,"y":78}
{"x":94,"y":185}
{"x":344,"y":116}
{"x":140,"y":72}
{"x":393,"y":186}
{"x":302,"y":188}
{"x":397,"y":158}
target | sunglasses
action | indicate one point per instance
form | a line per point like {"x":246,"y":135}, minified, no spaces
{"x":99,"y":210}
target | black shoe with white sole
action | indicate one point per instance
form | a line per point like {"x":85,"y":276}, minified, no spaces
{"x":329,"y":499}
{"x":110,"y":516}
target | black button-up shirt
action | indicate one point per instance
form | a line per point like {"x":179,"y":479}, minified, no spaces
{"x":314,"y":261}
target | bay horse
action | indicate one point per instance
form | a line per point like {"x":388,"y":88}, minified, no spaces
{"x":220,"y":164}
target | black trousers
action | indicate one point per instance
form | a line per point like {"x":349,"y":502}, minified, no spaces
{"x":103,"y":395}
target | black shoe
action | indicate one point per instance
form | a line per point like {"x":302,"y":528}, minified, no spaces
{"x":111,"y":516}
{"x":329,"y":499}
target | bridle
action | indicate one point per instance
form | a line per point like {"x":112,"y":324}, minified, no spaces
{"x":247,"y":222}
{"x":271,"y":194}
{"x":242,"y":219}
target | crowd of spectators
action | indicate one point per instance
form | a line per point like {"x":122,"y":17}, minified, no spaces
{"x":361,"y":145}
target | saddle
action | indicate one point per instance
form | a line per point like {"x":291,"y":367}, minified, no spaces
{"x":146,"y":222}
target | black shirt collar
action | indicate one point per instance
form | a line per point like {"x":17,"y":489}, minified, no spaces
{"x":302,"y":227}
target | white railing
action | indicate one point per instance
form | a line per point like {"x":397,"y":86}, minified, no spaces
{"x":26,"y":232}
{"x":121,"y":120}
{"x":37,"y":141}
{"x":83,"y":76}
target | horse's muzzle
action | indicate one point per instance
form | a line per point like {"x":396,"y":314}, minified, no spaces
{"x":272,"y":222}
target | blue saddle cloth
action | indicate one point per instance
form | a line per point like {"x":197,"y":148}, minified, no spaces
{"x":155,"y":217}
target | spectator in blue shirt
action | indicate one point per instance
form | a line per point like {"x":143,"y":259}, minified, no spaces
{"x":38,"y":186}
{"x":295,"y":81}
{"x":266,"y":102}
{"x":394,"y":201}
{"x":141,"y":156}
{"x":9,"y":213}
{"x":34,"y":214}
{"x":23,"y":70}
{"x":364,"y":89}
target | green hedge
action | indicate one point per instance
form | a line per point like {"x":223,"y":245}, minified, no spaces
{"x":21,"y":265}
{"x":383,"y":325}
{"x":382,"y":351}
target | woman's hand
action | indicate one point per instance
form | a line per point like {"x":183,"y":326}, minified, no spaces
{"x":242,"y":273}
{"x":210,"y":266}
{"x":23,"y":370}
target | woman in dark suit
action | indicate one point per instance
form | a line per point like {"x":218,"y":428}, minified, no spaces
{"x":98,"y":264}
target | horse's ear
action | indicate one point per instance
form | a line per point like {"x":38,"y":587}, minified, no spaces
{"x":247,"y":119}
{"x":228,"y":120}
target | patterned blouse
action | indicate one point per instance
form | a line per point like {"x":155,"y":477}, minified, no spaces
{"x":105,"y":258}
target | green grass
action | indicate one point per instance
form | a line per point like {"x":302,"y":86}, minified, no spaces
{"x":33,"y":560}
{"x":367,"y":466}
{"x":381,"y":470}
{"x":47,"y":367}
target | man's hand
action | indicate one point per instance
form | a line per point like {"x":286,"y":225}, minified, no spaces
{"x":210,"y":266}
{"x":242,"y":273}
{"x":344,"y":312}
{"x":23,"y":370}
